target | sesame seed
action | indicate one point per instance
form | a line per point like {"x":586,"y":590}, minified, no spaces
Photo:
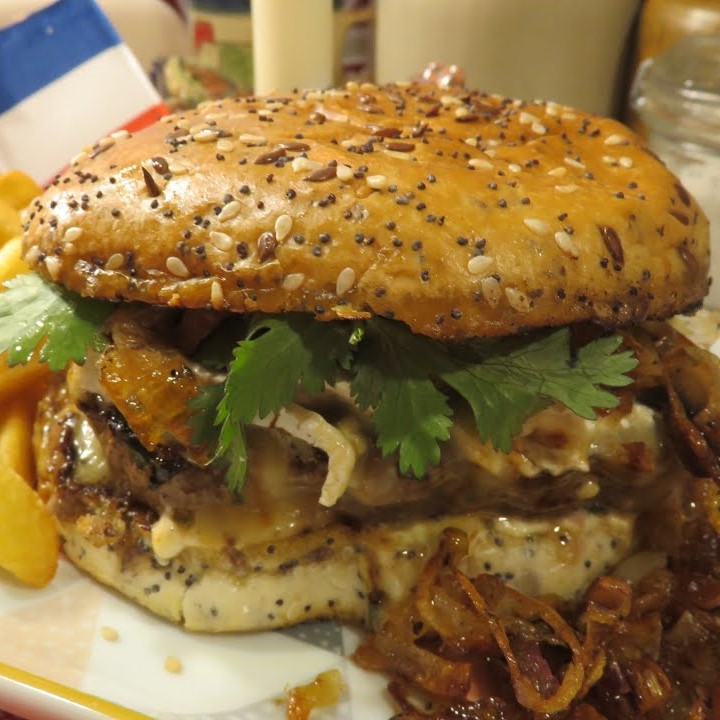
{"x":205,"y":135}
{"x":565,"y":242}
{"x":558,"y":172}
{"x":52,"y":263}
{"x":302,"y":164}
{"x":574,"y":163}
{"x":609,"y":160}
{"x":538,"y":128}
{"x":119,"y":135}
{"x":251,"y":139}
{"x":225,"y":145}
{"x":450,"y":100}
{"x":231,"y":210}
{"x":491,"y":290}
{"x":615,"y":140}
{"x":283,"y":225}
{"x":626,"y":162}
{"x":566,"y":188}
{"x":568,"y":116}
{"x":377,"y":182}
{"x":552,"y":109}
{"x":115,"y":261}
{"x":345,"y":280}
{"x":480,"y":163}
{"x":344,"y":173}
{"x":517,"y":299}
{"x":178,"y":169}
{"x":479,"y":264}
{"x":527,"y":118}
{"x":72,"y":234}
{"x":217,"y":296}
{"x":514,"y":167}
{"x":537,"y":226}
{"x":293,"y":281}
{"x":220,"y":240}
{"x":176,"y":266}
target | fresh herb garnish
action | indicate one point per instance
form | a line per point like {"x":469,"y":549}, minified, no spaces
{"x":282,"y":355}
{"x":505,"y":389}
{"x":393,"y":374}
{"x":405,"y":379}
{"x":33,"y":311}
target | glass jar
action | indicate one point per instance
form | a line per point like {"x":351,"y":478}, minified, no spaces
{"x":676,"y":97}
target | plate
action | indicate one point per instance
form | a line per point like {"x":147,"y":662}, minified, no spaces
{"x":78,"y":651}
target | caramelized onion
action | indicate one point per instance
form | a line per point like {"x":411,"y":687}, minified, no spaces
{"x":473,"y":648}
{"x":324,"y":691}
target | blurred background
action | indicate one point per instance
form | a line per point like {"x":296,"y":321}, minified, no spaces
{"x":581,"y":52}
{"x":654,"y":64}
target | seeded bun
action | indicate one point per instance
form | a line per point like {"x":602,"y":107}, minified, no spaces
{"x":460,"y":214}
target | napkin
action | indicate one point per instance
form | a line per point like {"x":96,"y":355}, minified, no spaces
{"x":66,"y":80}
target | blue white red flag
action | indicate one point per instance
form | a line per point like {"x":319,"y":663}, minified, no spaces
{"x":66,"y":81}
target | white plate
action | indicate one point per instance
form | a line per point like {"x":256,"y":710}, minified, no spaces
{"x":55,"y":661}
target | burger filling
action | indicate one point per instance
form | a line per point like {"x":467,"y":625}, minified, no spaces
{"x":124,"y":424}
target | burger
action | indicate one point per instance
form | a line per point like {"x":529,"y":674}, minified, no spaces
{"x":300,"y":338}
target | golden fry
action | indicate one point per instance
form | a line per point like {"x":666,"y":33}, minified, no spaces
{"x":29,"y":543}
{"x":10,"y":225}
{"x":16,"y":450}
{"x":21,"y":379}
{"x":17,"y":189}
{"x":11,"y":262}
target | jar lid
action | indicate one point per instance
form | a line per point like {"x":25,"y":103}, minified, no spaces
{"x":678,"y":92}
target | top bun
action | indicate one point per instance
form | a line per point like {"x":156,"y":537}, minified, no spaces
{"x":459,"y":213}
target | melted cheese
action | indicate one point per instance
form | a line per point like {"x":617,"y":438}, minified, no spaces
{"x":279,"y":502}
{"x":312,"y":428}
{"x":557,"y":441}
{"x":91,"y":467}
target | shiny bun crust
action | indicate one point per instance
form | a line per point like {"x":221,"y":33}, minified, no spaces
{"x":457,"y":212}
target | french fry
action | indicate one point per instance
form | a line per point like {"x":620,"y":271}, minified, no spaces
{"x":17,"y":189}
{"x":29,"y":543}
{"x":11,"y":262}
{"x":10,"y":225}
{"x":16,"y":449}
{"x":21,"y":379}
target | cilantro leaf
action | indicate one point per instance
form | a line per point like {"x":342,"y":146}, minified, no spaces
{"x":204,"y":411}
{"x":216,"y":349}
{"x":33,"y":311}
{"x":280,"y":357}
{"x":505,"y":389}
{"x":406,"y":380}
{"x":392,"y":368}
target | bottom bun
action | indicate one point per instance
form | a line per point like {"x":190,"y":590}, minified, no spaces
{"x":217,"y":568}
{"x":351,"y":575}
